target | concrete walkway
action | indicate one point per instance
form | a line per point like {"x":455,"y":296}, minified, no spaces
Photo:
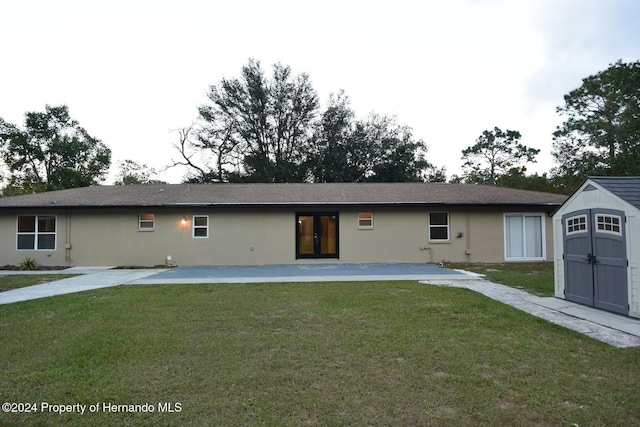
{"x":89,"y":278}
{"x":612,"y":329}
{"x":618,"y":331}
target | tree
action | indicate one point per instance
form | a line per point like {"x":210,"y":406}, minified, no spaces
{"x":1,"y":165}
{"x":132,"y":173}
{"x":494,"y":154}
{"x":396,"y":156}
{"x":435,"y":174}
{"x":199,"y":168}
{"x":52,"y":152}
{"x":601,"y":133}
{"x":517,"y":178}
{"x":375,"y":149}
{"x":264,"y":122}
{"x":260,"y":129}
{"x":336,"y":155}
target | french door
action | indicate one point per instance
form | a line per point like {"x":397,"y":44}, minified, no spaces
{"x":316,"y":235}
{"x":595,"y":259}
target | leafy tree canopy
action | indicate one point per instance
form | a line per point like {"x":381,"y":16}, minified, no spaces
{"x":495,"y":153}
{"x":376,"y":149}
{"x":265,"y":123}
{"x":270,"y":129}
{"x":52,"y":152}
{"x":394,"y":154}
{"x":517,"y":178}
{"x":132,"y":173}
{"x":601,"y":133}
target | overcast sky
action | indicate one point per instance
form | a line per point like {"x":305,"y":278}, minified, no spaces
{"x":131,"y":71}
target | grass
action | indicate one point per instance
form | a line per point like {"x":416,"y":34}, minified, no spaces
{"x":21,"y":281}
{"x":533,"y":277}
{"x":323,"y":354}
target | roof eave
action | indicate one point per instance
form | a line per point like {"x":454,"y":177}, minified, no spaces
{"x":284,"y":204}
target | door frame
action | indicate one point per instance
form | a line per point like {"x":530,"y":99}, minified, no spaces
{"x":317,"y":220}
{"x":594,"y":267}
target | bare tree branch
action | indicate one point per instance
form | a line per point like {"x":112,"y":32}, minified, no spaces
{"x":182,"y":147}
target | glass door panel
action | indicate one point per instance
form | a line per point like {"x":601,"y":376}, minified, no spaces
{"x":317,"y":235}
{"x":306,"y":241}
{"x":328,"y":241}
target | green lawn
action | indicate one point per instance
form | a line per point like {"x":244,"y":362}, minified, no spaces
{"x":533,"y":277}
{"x":20,"y":281}
{"x":322,"y":354}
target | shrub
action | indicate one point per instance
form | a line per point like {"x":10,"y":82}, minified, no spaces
{"x":28,"y":264}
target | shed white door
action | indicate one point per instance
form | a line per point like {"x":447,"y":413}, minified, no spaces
{"x":595,"y":259}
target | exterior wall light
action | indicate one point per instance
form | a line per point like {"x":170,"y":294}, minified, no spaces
{"x":183,"y":221}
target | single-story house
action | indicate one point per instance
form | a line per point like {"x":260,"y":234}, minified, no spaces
{"x":596,"y":235}
{"x":227,"y":224}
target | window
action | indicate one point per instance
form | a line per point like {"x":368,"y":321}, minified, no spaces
{"x":577,"y":224}
{"x":146,"y":222}
{"x":524,"y":237}
{"x":608,"y":224}
{"x":365,"y":220}
{"x":200,"y":226}
{"x":439,"y":226}
{"x":36,"y":232}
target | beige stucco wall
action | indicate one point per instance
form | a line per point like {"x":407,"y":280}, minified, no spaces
{"x":260,"y":236}
{"x":235,"y":237}
{"x":402,"y":236}
{"x":9,"y":255}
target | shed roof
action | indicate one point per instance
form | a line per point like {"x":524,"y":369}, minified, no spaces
{"x":282,"y":194}
{"x":625,"y":187}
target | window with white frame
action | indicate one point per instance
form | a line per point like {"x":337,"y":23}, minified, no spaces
{"x":36,"y":232}
{"x":608,"y":224}
{"x":577,"y":224}
{"x":200,"y":226}
{"x":146,"y":222}
{"x":439,"y":226}
{"x":524,"y":236}
{"x":365,"y":220}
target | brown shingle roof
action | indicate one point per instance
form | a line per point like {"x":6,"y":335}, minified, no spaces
{"x":283,"y":194}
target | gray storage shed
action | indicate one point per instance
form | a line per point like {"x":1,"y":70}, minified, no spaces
{"x":596,"y":238}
